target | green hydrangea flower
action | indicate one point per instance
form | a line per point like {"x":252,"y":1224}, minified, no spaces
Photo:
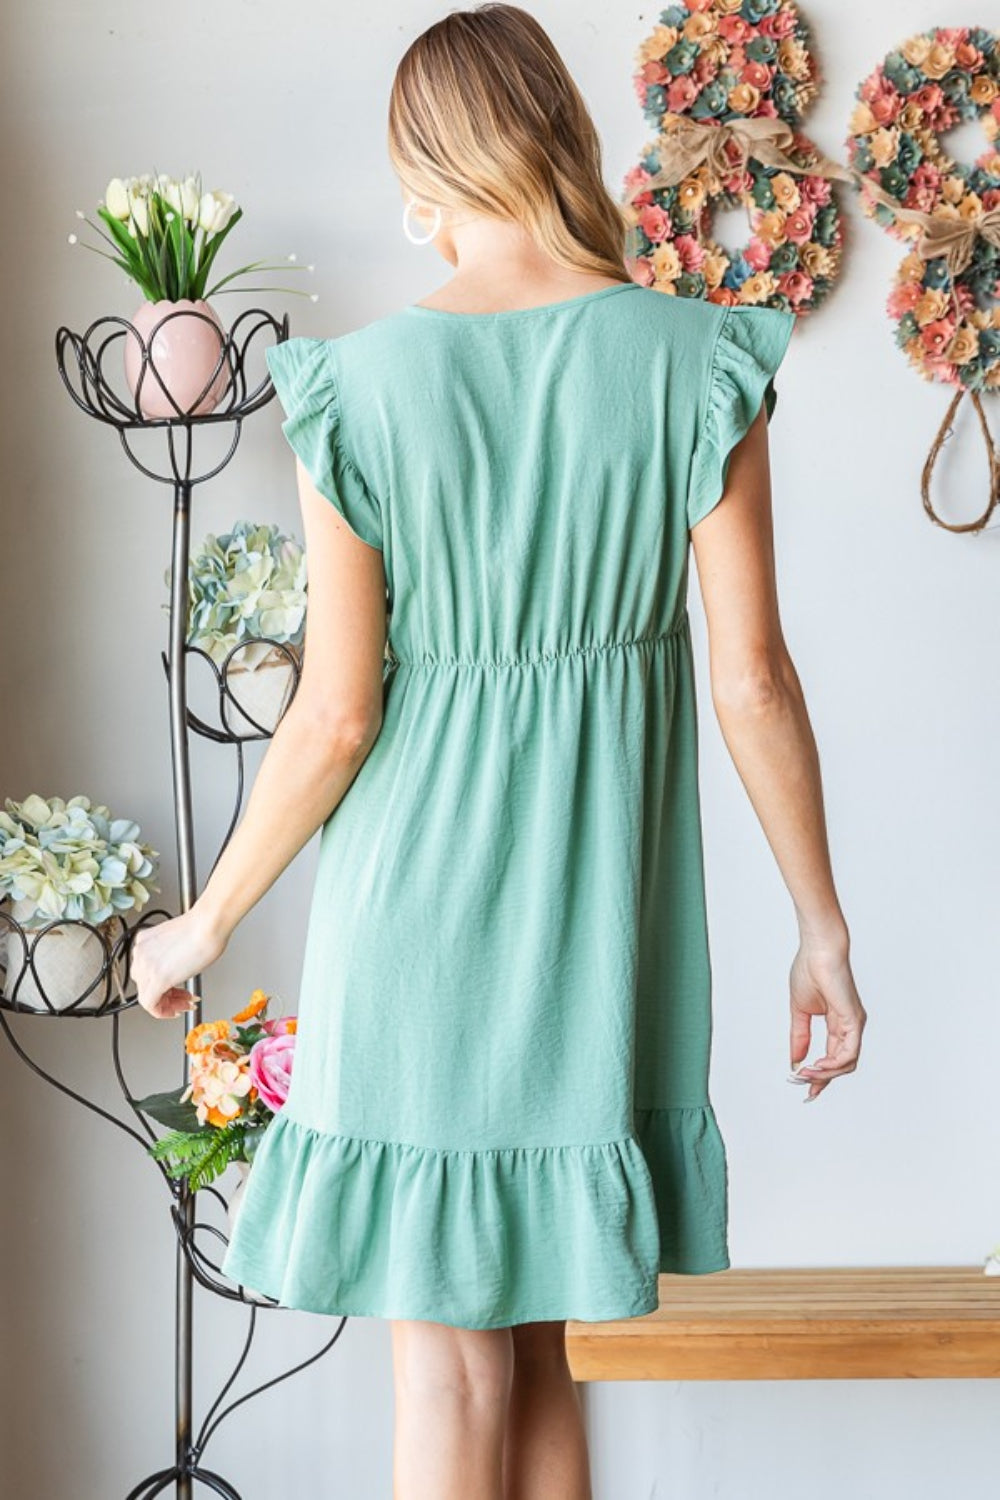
{"x":248,"y":583}
{"x":73,"y":860}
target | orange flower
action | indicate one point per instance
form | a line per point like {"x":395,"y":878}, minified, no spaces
{"x":200,"y":1037}
{"x":258,"y":1000}
{"x":223,"y":1052}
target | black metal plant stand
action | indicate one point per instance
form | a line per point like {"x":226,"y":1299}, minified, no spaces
{"x":83,"y":366}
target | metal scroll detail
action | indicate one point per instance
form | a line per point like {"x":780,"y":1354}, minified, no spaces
{"x":91,"y":367}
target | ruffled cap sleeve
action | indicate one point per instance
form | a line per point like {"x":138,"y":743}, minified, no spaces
{"x":305,"y":380}
{"x":749,"y":346}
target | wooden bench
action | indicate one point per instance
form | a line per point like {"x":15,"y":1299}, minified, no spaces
{"x":841,"y":1323}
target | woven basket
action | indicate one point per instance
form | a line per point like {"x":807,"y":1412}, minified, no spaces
{"x":261,"y":693}
{"x":66,"y":959}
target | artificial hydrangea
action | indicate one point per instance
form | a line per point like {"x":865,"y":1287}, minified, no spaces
{"x":246,"y":584}
{"x":72,"y":860}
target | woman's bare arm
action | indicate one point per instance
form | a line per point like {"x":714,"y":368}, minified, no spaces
{"x":314,"y":755}
{"x":764,"y":721}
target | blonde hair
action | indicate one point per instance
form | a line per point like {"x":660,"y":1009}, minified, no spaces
{"x":484,"y":115}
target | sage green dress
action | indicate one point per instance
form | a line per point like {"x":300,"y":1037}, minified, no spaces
{"x":499,"y":1107}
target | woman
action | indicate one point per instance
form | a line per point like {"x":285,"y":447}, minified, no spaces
{"x":499,"y":1114}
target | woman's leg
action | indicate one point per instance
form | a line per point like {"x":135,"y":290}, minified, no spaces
{"x":545,"y":1449}
{"x":452,"y":1387}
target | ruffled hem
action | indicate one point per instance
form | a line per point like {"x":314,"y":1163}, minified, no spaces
{"x":749,"y":346}
{"x":686,"y":1156}
{"x":345,"y":1226}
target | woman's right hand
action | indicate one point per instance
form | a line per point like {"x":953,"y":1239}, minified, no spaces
{"x":822,"y":985}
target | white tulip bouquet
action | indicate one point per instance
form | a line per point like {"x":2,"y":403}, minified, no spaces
{"x":165,"y":233}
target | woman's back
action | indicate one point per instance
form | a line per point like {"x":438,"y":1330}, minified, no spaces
{"x":527,"y":472}
{"x":500,"y":1092}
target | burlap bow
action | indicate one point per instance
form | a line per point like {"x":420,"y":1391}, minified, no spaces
{"x":687,"y":144}
{"x":952,"y":238}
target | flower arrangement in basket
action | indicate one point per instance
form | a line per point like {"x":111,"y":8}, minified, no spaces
{"x":247,"y":591}
{"x":165,"y":233}
{"x":67,"y":862}
{"x":240,"y":1073}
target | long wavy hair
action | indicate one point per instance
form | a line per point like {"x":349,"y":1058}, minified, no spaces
{"x":484,"y":116}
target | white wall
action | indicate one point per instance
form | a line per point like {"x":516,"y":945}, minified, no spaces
{"x":890,"y":620}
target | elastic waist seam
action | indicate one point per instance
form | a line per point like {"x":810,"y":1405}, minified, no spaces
{"x":621,"y":1142}
{"x":542,"y":657}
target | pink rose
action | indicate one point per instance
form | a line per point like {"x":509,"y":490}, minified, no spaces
{"x":681,"y":93}
{"x":936,"y":336}
{"x":936,"y":369}
{"x":635,"y":177}
{"x":738,"y":182}
{"x":885,"y":107}
{"x":923,"y":198}
{"x":965,"y":299}
{"x":757,"y":255}
{"x":799,"y":225}
{"x":705,"y":70}
{"x":815,"y":190}
{"x":780,"y":23}
{"x":733,"y":29}
{"x":280,"y":1026}
{"x":797,"y":286}
{"x":641,"y":270}
{"x":903,"y":298}
{"x":757,"y":74}
{"x":690,"y":253}
{"x":923,"y":193}
{"x":929,"y":98}
{"x":874,"y":83}
{"x":655,"y":223}
{"x":271,"y":1068}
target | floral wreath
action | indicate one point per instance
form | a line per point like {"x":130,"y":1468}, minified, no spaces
{"x":726,"y":82}
{"x":944,"y":298}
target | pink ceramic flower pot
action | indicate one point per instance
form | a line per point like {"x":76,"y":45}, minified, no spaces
{"x":182,"y":352}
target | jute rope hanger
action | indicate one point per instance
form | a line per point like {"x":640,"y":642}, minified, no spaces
{"x":993,"y":457}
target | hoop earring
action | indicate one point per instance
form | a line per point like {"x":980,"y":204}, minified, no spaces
{"x":414,"y":239}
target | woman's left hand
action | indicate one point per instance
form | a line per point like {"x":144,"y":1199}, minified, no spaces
{"x":165,"y":955}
